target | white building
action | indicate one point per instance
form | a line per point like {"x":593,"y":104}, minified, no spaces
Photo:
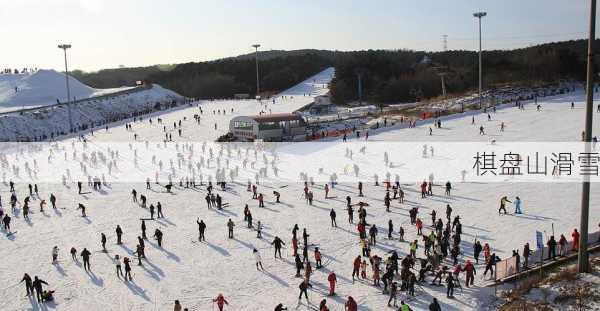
{"x":270,"y":127}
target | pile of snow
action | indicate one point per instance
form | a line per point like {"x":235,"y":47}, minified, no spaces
{"x":41,"y":88}
{"x":48,"y":122}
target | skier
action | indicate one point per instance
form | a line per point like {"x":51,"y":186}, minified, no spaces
{"x":54,"y":254}
{"x":350,"y":305}
{"x":258,"y":259}
{"x":82,"y":208}
{"x":332,"y":215}
{"x":201,"y":229}
{"x":356,"y":268}
{"x":503,"y":202}
{"x":230,"y":226}
{"x":117,"y":262}
{"x":37,"y":285}
{"x":127,"y":265}
{"x":220,"y":300}
{"x":277,"y":242}
{"x":318,"y":264}
{"x":518,"y":206}
{"x":435,"y":305}
{"x":332,"y":281}
{"x":158,"y":235}
{"x":477,"y":248}
{"x":103,"y":241}
{"x":303,"y":290}
{"x":85,"y":254}
{"x":119,"y":232}
{"x":28,"y":284}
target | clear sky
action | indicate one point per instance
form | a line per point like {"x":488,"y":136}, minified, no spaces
{"x":109,"y":33}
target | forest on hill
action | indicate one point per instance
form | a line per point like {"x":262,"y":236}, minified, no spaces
{"x":387,"y":76}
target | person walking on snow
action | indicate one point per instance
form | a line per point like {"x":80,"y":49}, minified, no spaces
{"x":277,"y":242}
{"x":503,"y":202}
{"x":220,"y":300}
{"x":332,"y":281}
{"x":518,"y":206}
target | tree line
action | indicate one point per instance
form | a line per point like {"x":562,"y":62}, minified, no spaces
{"x":387,"y":76}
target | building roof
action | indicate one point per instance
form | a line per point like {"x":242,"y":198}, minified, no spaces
{"x":277,"y":117}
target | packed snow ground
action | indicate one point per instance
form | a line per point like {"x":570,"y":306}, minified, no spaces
{"x":42,"y":88}
{"x":196,"y":272}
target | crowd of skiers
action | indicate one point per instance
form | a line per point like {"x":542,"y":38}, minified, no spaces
{"x":440,"y":240}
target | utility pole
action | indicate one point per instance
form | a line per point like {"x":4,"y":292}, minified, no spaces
{"x":64,"y":47}
{"x":479,"y":15}
{"x":583,"y":264}
{"x":256,"y":46}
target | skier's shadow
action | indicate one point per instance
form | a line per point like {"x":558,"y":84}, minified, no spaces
{"x":219,"y":249}
{"x":60,"y":270}
{"x":95,"y":279}
{"x":276,"y":278}
{"x":137,"y":290}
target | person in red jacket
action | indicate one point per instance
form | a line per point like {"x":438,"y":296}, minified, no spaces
{"x":220,"y":300}
{"x":318,"y":258}
{"x":350,"y":304}
{"x":470,"y":272}
{"x":332,"y":280}
{"x":356,"y":270}
{"x":575,"y":236}
{"x":419,"y":224}
{"x":295,"y":245}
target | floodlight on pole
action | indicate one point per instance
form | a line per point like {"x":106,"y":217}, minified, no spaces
{"x":256,"y":46}
{"x":479,"y":15}
{"x":64,"y":47}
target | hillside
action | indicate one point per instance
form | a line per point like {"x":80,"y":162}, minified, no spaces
{"x":388,"y":76}
{"x":42,"y":88}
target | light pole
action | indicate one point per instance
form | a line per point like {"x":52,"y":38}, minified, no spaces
{"x":583,"y":264}
{"x":64,"y":47}
{"x":256,"y":46}
{"x":479,"y":15}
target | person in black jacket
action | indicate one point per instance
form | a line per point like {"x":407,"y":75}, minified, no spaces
{"x":158,"y":235}
{"x":103,"y":241}
{"x":28,"y":284}
{"x":280,"y":307}
{"x":552,"y":248}
{"x":277,"y":242}
{"x":85,"y":254}
{"x":435,"y":306}
{"x":201,"y":228}
{"x":119,"y":232}
{"x":37,"y":285}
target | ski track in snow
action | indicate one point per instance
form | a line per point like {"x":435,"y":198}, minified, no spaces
{"x":195,"y":273}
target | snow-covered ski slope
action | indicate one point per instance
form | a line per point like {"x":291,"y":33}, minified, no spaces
{"x":219,"y":112}
{"x":194,"y":272}
{"x":42,"y":88}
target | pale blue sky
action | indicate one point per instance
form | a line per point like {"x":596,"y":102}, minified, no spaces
{"x":109,"y":33}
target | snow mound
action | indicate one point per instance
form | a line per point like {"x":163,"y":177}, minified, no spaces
{"x":42,"y":88}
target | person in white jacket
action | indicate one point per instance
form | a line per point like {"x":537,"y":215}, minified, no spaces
{"x":258,"y":259}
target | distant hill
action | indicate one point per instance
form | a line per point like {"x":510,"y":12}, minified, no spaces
{"x":117,"y":77}
{"x":388,"y":76}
